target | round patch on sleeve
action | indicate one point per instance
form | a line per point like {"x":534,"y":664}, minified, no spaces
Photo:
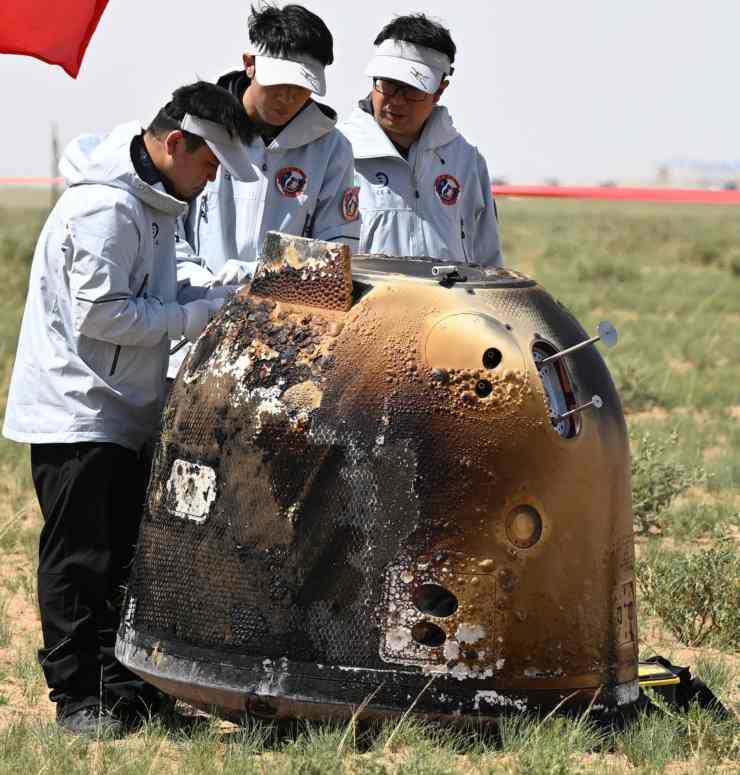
{"x":448,"y":189}
{"x":291,"y":181}
{"x":351,"y":204}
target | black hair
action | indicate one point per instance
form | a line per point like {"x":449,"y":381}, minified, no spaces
{"x":204,"y":100}
{"x":416,"y":28}
{"x":292,"y":29}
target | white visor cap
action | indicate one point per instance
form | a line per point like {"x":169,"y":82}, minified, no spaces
{"x":299,"y":70}
{"x":408,"y":63}
{"x":230,"y":151}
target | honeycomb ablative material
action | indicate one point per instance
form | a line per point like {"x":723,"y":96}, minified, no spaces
{"x":384,"y":501}
{"x":302,"y":271}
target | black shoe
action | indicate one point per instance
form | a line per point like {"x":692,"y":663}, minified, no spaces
{"x":144,"y":708}
{"x":90,"y":721}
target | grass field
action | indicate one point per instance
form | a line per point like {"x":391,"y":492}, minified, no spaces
{"x":669,"y":278}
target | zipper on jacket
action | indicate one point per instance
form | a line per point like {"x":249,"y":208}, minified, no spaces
{"x":117,"y":353}
{"x":202,"y":215}
{"x":462,"y":236}
{"x":307,"y":226}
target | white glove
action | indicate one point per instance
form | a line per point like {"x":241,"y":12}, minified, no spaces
{"x":233,"y":272}
{"x":196,"y":315}
{"x":221,"y":291}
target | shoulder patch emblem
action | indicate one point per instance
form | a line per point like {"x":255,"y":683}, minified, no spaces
{"x":448,"y":189}
{"x":291,"y":181}
{"x":351,"y":204}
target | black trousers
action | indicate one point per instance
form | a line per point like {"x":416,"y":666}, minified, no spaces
{"x":91,"y":497}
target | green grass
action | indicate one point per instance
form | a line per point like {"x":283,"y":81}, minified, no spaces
{"x":27,"y":672}
{"x":669,"y":278}
{"x":23,"y":583}
{"x":19,"y":227}
{"x":6,"y":627}
{"x":695,"y":592}
{"x":632,"y":264}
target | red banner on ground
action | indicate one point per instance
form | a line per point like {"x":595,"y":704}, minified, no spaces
{"x":613,"y":193}
{"x":687,"y":195}
{"x":55,"y":31}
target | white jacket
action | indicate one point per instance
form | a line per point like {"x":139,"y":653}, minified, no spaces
{"x":437,"y":204}
{"x":93,"y":346}
{"x":305,"y":186}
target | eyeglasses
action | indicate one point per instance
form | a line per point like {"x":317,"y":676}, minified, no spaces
{"x":393,"y":88}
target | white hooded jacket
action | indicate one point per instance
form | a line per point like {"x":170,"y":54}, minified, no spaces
{"x":101,"y":306}
{"x":437,"y":204}
{"x":305,"y":186}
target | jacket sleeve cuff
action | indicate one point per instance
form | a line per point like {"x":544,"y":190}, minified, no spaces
{"x":175,"y":320}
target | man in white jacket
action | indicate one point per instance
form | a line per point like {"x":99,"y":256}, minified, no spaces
{"x":424,"y":190}
{"x":89,"y":377}
{"x":303,"y":169}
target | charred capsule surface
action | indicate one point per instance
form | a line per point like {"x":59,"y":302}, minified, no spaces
{"x":360,"y":496}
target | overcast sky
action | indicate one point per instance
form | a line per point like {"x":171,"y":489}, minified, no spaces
{"x":580,"y":90}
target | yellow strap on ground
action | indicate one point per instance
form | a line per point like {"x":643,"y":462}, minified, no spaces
{"x":651,"y":674}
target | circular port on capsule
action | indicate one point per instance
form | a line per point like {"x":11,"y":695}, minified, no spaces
{"x":492,"y":358}
{"x":483,"y":388}
{"x":434,"y":600}
{"x":428,"y":634}
{"x":524,"y":527}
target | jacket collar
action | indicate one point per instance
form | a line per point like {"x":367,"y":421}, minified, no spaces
{"x":107,"y":161}
{"x":313,"y":122}
{"x":369,"y":141}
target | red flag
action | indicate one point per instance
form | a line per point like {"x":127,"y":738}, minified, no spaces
{"x":56,"y":31}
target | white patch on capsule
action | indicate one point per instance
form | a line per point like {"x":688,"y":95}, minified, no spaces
{"x":269,"y":400}
{"x":192,"y":489}
{"x":128,"y":618}
{"x":220,"y":365}
{"x":451,"y":650}
{"x":470,"y":633}
{"x":397,"y":638}
{"x":462,"y":671}
{"x":241,"y":366}
{"x":407,"y":577}
{"x":492,"y":697}
{"x":628,"y":692}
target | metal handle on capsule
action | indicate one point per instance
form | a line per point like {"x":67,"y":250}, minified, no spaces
{"x":596,"y":401}
{"x":605,"y":332}
{"x":445,"y":269}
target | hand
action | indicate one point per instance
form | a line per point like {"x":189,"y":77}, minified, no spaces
{"x":221,"y":291}
{"x":197,"y":314}
{"x":233,"y":272}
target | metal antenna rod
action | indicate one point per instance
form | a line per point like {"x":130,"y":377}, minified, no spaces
{"x":605,"y":332}
{"x":596,"y":402}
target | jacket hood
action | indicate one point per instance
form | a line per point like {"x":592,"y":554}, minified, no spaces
{"x":369,"y":141}
{"x":313,"y":122}
{"x":235,"y":82}
{"x":106,"y":160}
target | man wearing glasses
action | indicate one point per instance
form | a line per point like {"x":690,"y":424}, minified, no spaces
{"x":424,"y":190}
